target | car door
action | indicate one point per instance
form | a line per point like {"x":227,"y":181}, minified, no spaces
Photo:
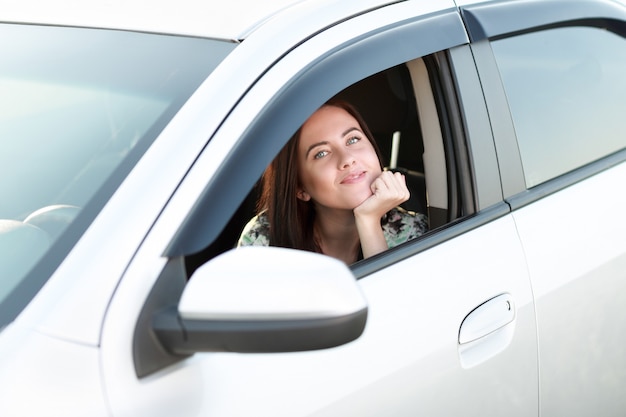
{"x":562,"y":72}
{"x":450,"y":317}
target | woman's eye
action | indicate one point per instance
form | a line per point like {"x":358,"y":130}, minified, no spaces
{"x":353,"y":140}
{"x":320,"y":154}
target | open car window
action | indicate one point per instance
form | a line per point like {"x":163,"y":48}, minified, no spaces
{"x":404,"y":107}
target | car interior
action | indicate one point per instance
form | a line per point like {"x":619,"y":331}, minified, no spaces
{"x":401,"y":107}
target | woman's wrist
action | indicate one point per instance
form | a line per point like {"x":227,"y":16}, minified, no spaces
{"x":370,"y":234}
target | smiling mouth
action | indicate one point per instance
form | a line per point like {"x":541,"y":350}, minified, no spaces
{"x":353,"y":178}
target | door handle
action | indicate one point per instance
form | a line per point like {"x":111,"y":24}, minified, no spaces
{"x":486,"y":330}
{"x":487,"y":318}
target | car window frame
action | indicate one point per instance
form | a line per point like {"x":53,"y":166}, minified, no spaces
{"x":497,"y":20}
{"x":297,"y":99}
{"x":461,"y":102}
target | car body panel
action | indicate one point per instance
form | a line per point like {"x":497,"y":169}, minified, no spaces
{"x":329,"y":382}
{"x":50,"y":376}
{"x":187,"y":17}
{"x":580,"y":291}
{"x":571,"y":229}
{"x":555,"y":349}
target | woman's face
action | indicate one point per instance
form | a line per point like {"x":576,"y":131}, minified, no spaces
{"x":337,"y":162}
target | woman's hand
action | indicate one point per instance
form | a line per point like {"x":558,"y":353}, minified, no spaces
{"x":388,"y":191}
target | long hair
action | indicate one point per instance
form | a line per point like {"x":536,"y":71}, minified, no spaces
{"x":291,"y":219}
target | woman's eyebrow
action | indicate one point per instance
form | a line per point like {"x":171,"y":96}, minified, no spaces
{"x":350,"y":130}
{"x":315,"y":145}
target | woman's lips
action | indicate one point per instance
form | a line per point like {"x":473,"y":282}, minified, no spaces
{"x":354,"y":178}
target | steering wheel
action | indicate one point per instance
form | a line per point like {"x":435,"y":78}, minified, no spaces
{"x":53,"y":219}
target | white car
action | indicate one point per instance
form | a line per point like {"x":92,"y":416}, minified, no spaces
{"x":132,"y":135}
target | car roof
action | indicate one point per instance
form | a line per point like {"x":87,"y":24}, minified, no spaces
{"x":232,"y":20}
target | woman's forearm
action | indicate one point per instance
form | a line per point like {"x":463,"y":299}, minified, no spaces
{"x":371,"y":236}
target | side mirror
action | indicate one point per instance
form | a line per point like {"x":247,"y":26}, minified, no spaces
{"x":264,"y":299}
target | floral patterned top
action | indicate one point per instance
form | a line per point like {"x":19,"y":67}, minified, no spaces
{"x":398,"y":225}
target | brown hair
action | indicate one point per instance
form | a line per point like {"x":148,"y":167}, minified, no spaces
{"x":291,"y":219}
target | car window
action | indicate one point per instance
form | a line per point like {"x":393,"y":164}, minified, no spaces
{"x":566,"y":89}
{"x":215,"y":224}
{"x":402,"y":107}
{"x":78,"y":107}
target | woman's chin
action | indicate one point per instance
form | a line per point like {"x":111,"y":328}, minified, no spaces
{"x":361,"y":199}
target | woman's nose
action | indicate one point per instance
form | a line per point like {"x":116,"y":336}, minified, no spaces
{"x":347,"y":160}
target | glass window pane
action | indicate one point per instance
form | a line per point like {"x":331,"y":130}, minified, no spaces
{"x":566,"y":90}
{"x":78,"y":107}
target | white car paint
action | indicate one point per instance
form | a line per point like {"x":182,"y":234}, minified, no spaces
{"x":72,"y":346}
{"x":63,"y":378}
{"x":234,"y":20}
{"x":578,"y":269}
{"x":374,"y":374}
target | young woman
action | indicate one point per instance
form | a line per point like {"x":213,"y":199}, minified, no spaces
{"x":327,"y":192}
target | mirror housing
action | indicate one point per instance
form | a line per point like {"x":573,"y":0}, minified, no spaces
{"x":264,"y":299}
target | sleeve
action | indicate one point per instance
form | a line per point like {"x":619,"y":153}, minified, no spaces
{"x":256,"y":232}
{"x":400,"y":226}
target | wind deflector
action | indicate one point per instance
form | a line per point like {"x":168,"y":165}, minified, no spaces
{"x":495,"y":19}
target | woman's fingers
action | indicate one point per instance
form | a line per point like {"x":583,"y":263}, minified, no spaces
{"x":388,"y":191}
{"x":391,"y":186}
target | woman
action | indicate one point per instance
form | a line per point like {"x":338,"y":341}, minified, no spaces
{"x":327,"y":192}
